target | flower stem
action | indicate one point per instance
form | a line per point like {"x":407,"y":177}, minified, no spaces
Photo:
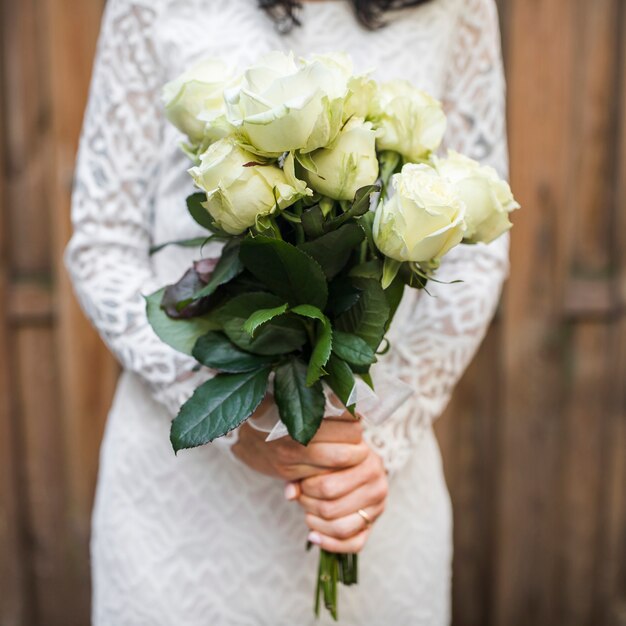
{"x":333,"y":568}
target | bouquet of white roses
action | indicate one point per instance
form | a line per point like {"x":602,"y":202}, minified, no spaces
{"x":324,"y":187}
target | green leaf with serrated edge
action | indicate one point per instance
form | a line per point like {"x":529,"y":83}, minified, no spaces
{"x":391,"y":267}
{"x":260,"y":317}
{"x":394,"y":294}
{"x":340,"y":379}
{"x":281,"y":335}
{"x":333,"y":249}
{"x":313,"y":222}
{"x":342,"y":295}
{"x":300,"y":406}
{"x":287,"y":271}
{"x":368,"y":317}
{"x":323,"y":342}
{"x":217,"y":351}
{"x":194,"y":242}
{"x":226,"y":269}
{"x":308,"y":310}
{"x":180,"y":334}
{"x":198,"y":212}
{"x":217,"y":406}
{"x":352,"y":348}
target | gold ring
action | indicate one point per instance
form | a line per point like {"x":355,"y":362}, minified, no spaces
{"x":366,"y":518}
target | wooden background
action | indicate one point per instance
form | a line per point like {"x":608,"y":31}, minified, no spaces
{"x":535,"y":439}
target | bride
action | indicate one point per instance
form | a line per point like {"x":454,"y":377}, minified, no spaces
{"x":215,"y":536}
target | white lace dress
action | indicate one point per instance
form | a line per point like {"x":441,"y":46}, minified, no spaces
{"x":200,"y":539}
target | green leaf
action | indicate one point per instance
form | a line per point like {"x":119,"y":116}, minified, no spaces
{"x":366,"y":224}
{"x":300,"y":406}
{"x":308,"y":310}
{"x":288,"y":272}
{"x":198,"y":212}
{"x":391,"y":267}
{"x":313,"y":222}
{"x":217,"y":351}
{"x":394,"y":294}
{"x":367,"y":378}
{"x":180,"y":334}
{"x":194,"y":242}
{"x":226,"y":269}
{"x":260,"y":317}
{"x":340,"y":379}
{"x":333,"y":249}
{"x":217,"y":406}
{"x":323,"y":342}
{"x":368,"y":317}
{"x":352,"y":349}
{"x":370,"y":269}
{"x":342,"y":294}
{"x":278,"y":336}
{"x":177,"y":300}
{"x":360,"y":206}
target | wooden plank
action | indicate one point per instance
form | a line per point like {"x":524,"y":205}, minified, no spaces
{"x":37,"y":404}
{"x":15,"y":571}
{"x":582,"y":490}
{"x":612,"y":552}
{"x":56,"y":580}
{"x":27,"y":156}
{"x":87,"y":372}
{"x":539,"y":46}
{"x":589,"y":257}
{"x":30,"y":301}
{"x":14,"y":567}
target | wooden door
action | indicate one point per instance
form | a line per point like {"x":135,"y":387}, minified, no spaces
{"x":534,"y":441}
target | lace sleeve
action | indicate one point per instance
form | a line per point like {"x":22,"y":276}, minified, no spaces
{"x":107,"y":256}
{"x":436,"y":336}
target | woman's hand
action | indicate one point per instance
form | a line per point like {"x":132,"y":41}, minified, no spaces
{"x":338,"y":444}
{"x":332,"y":501}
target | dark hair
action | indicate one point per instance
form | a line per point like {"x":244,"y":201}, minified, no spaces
{"x":368,"y":12}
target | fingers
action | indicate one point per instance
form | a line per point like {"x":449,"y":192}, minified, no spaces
{"x":339,"y":430}
{"x":331,"y":486}
{"x":352,"y":545}
{"x":335,"y":455}
{"x":367,"y":495}
{"x":344,"y":527}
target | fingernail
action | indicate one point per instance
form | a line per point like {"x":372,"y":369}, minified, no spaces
{"x":290,"y":491}
{"x":315,"y":538}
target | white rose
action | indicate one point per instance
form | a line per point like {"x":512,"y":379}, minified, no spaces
{"x":348,"y":164}
{"x":283,"y":105}
{"x":410,"y":122}
{"x":239,"y":190}
{"x":488,"y":199}
{"x":362,"y":99}
{"x":197,"y":93}
{"x":422,"y":220}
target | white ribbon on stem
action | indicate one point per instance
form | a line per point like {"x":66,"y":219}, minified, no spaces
{"x":374,"y":407}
